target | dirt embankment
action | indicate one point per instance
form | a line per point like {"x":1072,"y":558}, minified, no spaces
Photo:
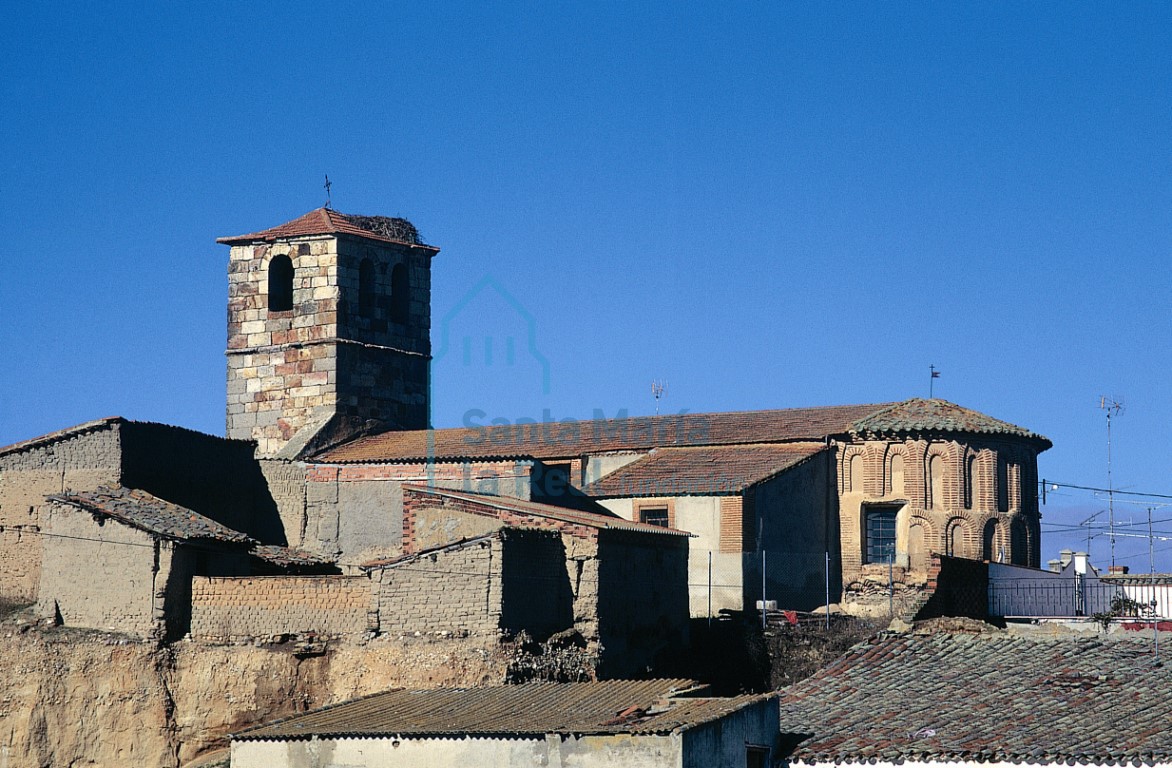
{"x":73,"y":698}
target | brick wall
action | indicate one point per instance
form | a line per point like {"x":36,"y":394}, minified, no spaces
{"x":224,"y":609}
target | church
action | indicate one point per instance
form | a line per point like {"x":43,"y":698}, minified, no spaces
{"x":330,"y":470}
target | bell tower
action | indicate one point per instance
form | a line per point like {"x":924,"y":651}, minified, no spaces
{"x":329,"y":330}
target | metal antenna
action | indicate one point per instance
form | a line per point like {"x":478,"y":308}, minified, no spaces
{"x":327,"y":185}
{"x":658,"y":390}
{"x":933,"y":374}
{"x":1111,"y":407}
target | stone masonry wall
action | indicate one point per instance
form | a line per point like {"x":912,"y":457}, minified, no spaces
{"x":76,"y":462}
{"x":282,"y":366}
{"x":288,"y":369}
{"x":228,"y":609}
{"x":452,"y":590}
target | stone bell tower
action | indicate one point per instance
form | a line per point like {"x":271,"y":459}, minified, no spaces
{"x":329,"y":330}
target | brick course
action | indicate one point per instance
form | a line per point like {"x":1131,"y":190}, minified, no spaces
{"x":230,"y":609}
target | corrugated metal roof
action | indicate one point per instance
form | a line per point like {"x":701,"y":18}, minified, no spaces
{"x":533,"y":709}
{"x":141,"y":510}
{"x":991,"y":697}
{"x":323,"y":221}
{"x":704,"y":471}
{"x":563,"y":514}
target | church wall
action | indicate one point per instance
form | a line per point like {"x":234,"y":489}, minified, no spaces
{"x":282,"y":365}
{"x":77,"y":462}
{"x":956,"y":497}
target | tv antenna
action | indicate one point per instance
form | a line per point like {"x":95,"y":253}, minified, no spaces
{"x":1113,"y":407}
{"x":658,"y":391}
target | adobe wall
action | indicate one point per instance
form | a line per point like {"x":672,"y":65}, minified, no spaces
{"x":457,"y":590}
{"x":76,"y":463}
{"x":231,"y":609}
{"x":103,"y":576}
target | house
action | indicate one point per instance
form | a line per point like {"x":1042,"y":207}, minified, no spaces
{"x":618,"y":722}
{"x":960,"y":699}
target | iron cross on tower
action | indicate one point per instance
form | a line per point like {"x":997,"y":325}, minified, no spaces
{"x":327,"y":185}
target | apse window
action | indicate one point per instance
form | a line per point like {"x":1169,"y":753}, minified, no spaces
{"x":881,"y":534}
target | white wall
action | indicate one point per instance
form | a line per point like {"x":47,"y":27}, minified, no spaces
{"x":551,"y":752}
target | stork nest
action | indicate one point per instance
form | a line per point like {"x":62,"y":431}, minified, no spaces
{"x":390,"y":227}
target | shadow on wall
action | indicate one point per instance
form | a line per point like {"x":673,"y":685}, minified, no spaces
{"x":218,"y":478}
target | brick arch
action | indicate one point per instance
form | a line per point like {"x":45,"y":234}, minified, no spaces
{"x":844,"y":473}
{"x":891,"y":452}
{"x":992,"y":528}
{"x":958,"y":535}
{"x":938,"y":498}
{"x":1024,"y":533}
{"x":919,"y":551}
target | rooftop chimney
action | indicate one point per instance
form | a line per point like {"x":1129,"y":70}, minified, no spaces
{"x":1080,"y":562}
{"x":1065,"y":556}
{"x":1117,"y":570}
{"x":1054,"y":565}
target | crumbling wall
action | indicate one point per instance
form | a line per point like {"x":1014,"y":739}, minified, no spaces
{"x":103,"y":575}
{"x":231,"y":609}
{"x":76,"y":462}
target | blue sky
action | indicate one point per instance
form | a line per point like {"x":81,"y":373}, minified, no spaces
{"x":764,"y":204}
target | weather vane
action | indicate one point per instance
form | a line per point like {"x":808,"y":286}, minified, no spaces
{"x":327,"y":185}
{"x":933,"y":374}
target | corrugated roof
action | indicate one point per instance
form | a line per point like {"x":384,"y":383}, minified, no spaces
{"x":703,"y":471}
{"x":141,"y":510}
{"x":638,"y":433}
{"x":535,"y":509}
{"x":642,"y":433}
{"x":920,"y":415}
{"x":533,"y":709}
{"x":984,"y":698}
{"x":326,"y":221}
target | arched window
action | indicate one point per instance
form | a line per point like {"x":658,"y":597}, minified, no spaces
{"x":936,"y":483}
{"x":897,"y":486}
{"x":1002,"y":485}
{"x":989,"y":542}
{"x":366,"y":287}
{"x":400,"y":294}
{"x":855,"y":474}
{"x":280,"y":284}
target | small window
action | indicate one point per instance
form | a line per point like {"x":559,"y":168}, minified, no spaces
{"x":970,"y":477}
{"x":655,"y":516}
{"x":756,"y":757}
{"x":400,"y":294}
{"x":280,"y":284}
{"x":881,"y":534}
{"x":366,"y":287}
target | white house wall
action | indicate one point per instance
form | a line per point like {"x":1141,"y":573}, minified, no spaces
{"x":548,"y":752}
